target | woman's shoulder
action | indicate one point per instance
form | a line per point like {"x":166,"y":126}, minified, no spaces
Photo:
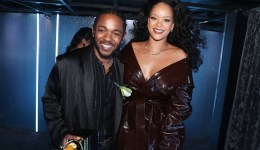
{"x":176,"y":52}
{"x":138,"y":45}
{"x":132,"y":45}
{"x":127,"y":52}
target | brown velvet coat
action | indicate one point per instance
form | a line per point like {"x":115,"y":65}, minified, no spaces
{"x":153,"y":115}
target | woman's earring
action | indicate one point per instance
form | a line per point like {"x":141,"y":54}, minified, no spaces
{"x":172,"y":28}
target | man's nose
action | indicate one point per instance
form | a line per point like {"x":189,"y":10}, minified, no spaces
{"x":108,"y":36}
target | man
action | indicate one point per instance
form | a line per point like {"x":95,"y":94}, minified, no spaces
{"x":80,"y":93}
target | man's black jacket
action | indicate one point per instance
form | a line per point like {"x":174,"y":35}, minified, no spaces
{"x":68,"y":96}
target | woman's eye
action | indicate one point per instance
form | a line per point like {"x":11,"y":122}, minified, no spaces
{"x":153,"y":18}
{"x":167,"y":20}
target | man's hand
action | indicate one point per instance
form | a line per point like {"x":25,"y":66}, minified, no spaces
{"x":70,"y":137}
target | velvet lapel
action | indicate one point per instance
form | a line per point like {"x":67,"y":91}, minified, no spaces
{"x":88,"y":83}
{"x":119,"y":100}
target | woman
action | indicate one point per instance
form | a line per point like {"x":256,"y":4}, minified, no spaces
{"x":158,"y":69}
{"x":82,"y":38}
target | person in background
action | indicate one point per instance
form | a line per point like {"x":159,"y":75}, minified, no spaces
{"x":80,"y":94}
{"x":158,"y":69}
{"x":82,"y":38}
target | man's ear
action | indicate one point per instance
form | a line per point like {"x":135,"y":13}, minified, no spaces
{"x":123,"y":36}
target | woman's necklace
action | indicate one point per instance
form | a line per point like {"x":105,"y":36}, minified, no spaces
{"x":109,"y":64}
{"x":152,"y":53}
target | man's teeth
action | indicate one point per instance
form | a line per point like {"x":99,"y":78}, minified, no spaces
{"x":106,"y":46}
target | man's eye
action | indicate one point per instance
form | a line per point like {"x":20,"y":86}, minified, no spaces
{"x":117,"y":34}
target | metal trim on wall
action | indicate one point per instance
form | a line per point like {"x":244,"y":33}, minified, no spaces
{"x":222,"y":79}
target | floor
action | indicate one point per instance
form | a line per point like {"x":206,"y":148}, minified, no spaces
{"x":20,"y":139}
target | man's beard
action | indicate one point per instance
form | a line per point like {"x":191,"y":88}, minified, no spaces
{"x":105,"y":56}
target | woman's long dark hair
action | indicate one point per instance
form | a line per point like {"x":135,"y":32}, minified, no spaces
{"x":184,"y":34}
{"x":82,"y":33}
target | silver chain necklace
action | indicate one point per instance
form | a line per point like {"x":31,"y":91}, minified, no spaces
{"x":151,"y":53}
{"x":109,"y":64}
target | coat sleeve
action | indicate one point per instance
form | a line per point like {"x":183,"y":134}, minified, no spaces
{"x":52,"y":107}
{"x":180,"y":102}
{"x":179,"y":109}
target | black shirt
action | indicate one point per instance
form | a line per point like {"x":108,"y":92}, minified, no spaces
{"x":104,"y":103}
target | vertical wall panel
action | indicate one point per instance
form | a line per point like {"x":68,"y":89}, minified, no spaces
{"x":198,"y":125}
{"x":17,"y":68}
{"x":46,"y":58}
{"x":222,"y":78}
